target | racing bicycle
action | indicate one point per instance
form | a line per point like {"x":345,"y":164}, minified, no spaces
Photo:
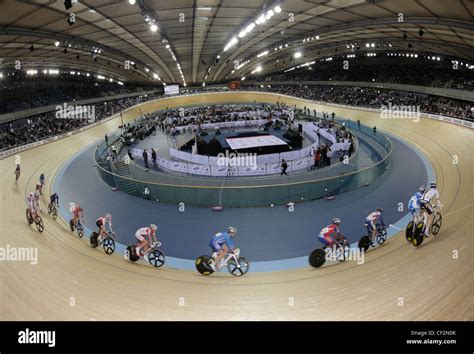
{"x":415,"y":230}
{"x":108,"y":243}
{"x":236,"y":265}
{"x":153,"y":255}
{"x":35,"y":219}
{"x":78,"y":227}
{"x":339,"y":251}
{"x":380,"y":237}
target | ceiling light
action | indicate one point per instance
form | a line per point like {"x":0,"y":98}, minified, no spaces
{"x":132,"y":2}
{"x":56,"y":43}
{"x":153,"y":27}
{"x":298,"y":55}
{"x":277,"y":9}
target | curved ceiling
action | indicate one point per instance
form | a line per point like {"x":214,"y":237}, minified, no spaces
{"x":188,"y":46}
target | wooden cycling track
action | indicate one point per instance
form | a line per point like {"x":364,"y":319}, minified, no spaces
{"x":397,"y":282}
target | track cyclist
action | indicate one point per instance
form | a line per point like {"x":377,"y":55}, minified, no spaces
{"x":221,"y":243}
{"x":41,"y":183}
{"x":331,"y":233}
{"x":53,"y":201}
{"x":77,"y":213}
{"x":372,"y":221}
{"x":101,"y":224}
{"x":33,"y":203}
{"x":426,"y":204}
{"x":414,"y":202}
{"x":145,"y":235}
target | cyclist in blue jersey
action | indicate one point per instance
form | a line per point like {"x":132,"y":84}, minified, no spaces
{"x":222,"y":242}
{"x":53,"y":200}
{"x":414,"y":202}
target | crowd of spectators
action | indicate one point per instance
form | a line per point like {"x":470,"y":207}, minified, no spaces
{"x":47,"y":125}
{"x":395,"y":70}
{"x":42,"y":126}
{"x":375,"y":98}
{"x":170,"y":119}
{"x":21,"y":92}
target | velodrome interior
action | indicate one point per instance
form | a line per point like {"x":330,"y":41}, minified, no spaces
{"x":434,"y":284}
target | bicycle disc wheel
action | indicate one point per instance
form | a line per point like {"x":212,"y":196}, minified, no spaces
{"x":409,"y":231}
{"x":364,"y":243}
{"x":317,"y":258}
{"x":419,"y":236}
{"x":202,"y":265}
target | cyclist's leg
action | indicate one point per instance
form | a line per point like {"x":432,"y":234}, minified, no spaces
{"x":102,"y":232}
{"x":140,"y":243}
{"x":371,"y":229}
{"x":429,"y":211}
{"x":31,"y":208}
{"x":221,"y":254}
{"x":147,"y":244}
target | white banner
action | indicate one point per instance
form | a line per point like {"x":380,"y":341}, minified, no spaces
{"x":200,"y":159}
{"x":199,"y":169}
{"x":249,"y":171}
{"x":300,"y":164}
{"x":178,"y":166}
{"x":163,"y":163}
{"x":273,"y":168}
{"x":219,"y":171}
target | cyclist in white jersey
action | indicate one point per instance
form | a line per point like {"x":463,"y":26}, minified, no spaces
{"x":427,"y":204}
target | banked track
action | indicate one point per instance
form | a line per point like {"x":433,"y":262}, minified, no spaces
{"x":74,"y":282}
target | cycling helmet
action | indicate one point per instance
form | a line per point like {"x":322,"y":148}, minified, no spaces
{"x":422,"y":189}
{"x":432,"y":185}
{"x":336,"y":221}
{"x":232,"y":230}
{"x":153,"y":227}
{"x":380,"y":210}
{"x":108,"y":217}
{"x":38,"y":186}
